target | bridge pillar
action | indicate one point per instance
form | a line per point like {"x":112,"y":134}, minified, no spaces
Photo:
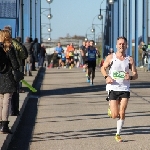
{"x":115,"y":24}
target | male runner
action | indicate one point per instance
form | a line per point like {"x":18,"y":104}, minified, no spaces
{"x":118,"y":82}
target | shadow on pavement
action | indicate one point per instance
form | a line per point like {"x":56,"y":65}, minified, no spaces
{"x":88,"y":117}
{"x":73,"y":90}
{"x":140,"y":85}
{"x":23,"y":133}
{"x":22,"y":136}
{"x":66,"y":135}
{"x":86,"y":89}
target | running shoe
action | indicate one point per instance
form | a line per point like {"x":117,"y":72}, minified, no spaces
{"x":88,"y":79}
{"x":107,"y":98}
{"x":109,"y":112}
{"x":70,"y":67}
{"x":118,"y":138}
{"x":86,"y":75}
{"x":91,"y":83}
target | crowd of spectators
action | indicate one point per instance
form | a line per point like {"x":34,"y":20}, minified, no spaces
{"x":17,"y":60}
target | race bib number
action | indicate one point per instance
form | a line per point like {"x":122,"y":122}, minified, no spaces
{"x":59,"y":55}
{"x":92,"y":55}
{"x":70,"y":53}
{"x":118,"y":74}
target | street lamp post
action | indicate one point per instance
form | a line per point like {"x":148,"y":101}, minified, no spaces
{"x":21,"y":22}
{"x":101,"y":18}
{"x":93,"y":31}
{"x":86,"y":38}
{"x":49,"y":16}
{"x":49,"y":1}
{"x":45,"y":25}
{"x":35,"y":18}
{"x":97,"y":38}
{"x":93,"y":27}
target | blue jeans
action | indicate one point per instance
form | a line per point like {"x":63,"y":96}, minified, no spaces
{"x":41,"y":61}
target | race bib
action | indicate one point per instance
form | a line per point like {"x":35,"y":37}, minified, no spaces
{"x":118,"y":74}
{"x":59,"y":55}
{"x":70,"y":53}
{"x":92,"y":55}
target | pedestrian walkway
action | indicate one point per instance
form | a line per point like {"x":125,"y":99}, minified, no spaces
{"x":14,"y":120}
{"x":72,"y":115}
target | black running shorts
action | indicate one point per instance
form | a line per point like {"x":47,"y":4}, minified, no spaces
{"x":117,"y":95}
{"x":92,"y":64}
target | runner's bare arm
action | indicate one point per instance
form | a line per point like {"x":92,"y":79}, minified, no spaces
{"x":106,"y":65}
{"x":133,"y":69}
{"x":98,"y":53}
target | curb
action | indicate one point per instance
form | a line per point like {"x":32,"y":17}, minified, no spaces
{"x":16,"y":122}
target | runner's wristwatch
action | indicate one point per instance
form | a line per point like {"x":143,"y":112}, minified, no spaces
{"x":105,"y":77}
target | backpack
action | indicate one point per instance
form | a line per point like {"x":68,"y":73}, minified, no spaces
{"x":3,"y":61}
{"x":21,"y":50}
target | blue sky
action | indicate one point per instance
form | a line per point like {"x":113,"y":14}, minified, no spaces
{"x":72,"y":16}
{"x":76,"y":16}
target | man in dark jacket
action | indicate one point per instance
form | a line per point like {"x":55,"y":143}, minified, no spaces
{"x":28,"y":62}
{"x":42,"y":55}
{"x":36,"y":52}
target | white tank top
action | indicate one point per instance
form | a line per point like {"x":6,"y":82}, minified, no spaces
{"x":117,"y":73}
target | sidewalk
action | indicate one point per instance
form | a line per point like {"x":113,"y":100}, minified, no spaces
{"x":14,"y":120}
{"x":72,"y":115}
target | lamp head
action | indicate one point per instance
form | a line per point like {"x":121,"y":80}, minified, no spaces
{"x":49,"y":16}
{"x":100,"y":17}
{"x":111,"y":2}
{"x":49,"y":39}
{"x":86,"y":39}
{"x":92,"y":30}
{"x":49,"y":29}
{"x":49,"y":1}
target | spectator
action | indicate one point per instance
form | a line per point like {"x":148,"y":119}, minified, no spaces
{"x":144,"y":54}
{"x":22,"y":65}
{"x":21,"y":54}
{"x":36,"y":52}
{"x":7,"y":80}
{"x":42,"y":55}
{"x":28,"y":62}
{"x":148,"y":54}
